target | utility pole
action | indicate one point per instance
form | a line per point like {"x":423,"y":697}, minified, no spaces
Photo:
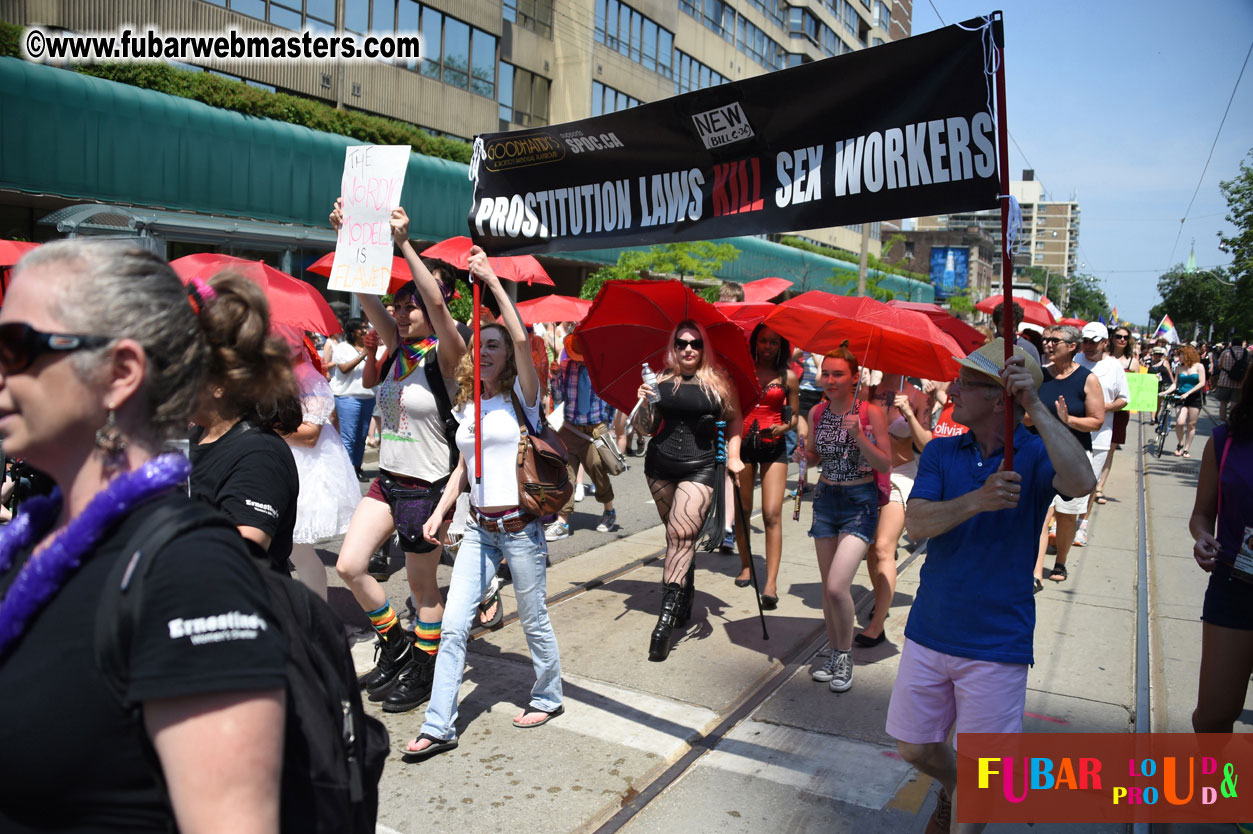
{"x":865,"y":255}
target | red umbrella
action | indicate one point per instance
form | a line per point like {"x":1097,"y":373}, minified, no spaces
{"x":400,"y":271}
{"x":1073,"y":322}
{"x":765,"y":289}
{"x":1032,"y":311}
{"x":293,"y":303}
{"x":747,"y":314}
{"x":11,"y":251}
{"x":631,"y":323}
{"x":967,"y":338}
{"x":523,"y":269}
{"x":889,"y":340}
{"x":553,"y":308}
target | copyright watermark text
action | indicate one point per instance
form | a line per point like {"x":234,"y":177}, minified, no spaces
{"x":151,"y":44}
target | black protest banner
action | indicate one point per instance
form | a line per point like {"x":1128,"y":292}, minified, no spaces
{"x":900,"y":130}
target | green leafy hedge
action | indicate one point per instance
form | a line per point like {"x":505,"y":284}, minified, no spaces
{"x":227,"y":94}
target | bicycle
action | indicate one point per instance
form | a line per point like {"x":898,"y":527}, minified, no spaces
{"x":1166,"y":420}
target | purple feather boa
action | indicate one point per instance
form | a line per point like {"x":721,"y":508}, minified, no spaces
{"x":42,"y":577}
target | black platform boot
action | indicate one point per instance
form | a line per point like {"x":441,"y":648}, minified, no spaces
{"x":659,"y":648}
{"x":413,"y":684}
{"x":393,"y":651}
{"x":684,"y":613}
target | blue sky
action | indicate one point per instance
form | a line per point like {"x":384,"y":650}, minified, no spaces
{"x":1116,"y":104}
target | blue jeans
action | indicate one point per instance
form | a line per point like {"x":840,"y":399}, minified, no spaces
{"x":354,"y":423}
{"x":477,"y":561}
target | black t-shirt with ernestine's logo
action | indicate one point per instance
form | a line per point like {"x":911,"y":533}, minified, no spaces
{"x":73,"y":759}
{"x":249,"y":474}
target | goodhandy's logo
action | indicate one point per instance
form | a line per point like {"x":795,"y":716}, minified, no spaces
{"x":1103,"y":777}
{"x":511,"y":151}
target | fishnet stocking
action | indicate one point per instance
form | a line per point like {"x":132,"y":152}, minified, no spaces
{"x":682,"y":506}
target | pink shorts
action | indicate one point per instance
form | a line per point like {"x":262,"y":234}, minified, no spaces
{"x":935,"y":690}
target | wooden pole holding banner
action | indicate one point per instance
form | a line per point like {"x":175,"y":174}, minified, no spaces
{"x":1008,"y":326}
{"x":478,"y":382}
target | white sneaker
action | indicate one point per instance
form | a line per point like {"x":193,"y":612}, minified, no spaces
{"x":607,"y":522}
{"x":827,"y":671}
{"x":557,"y":530}
{"x":842,"y":677}
{"x":579,"y":492}
{"x":1081,"y":535}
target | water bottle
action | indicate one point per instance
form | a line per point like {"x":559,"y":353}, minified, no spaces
{"x":650,"y":379}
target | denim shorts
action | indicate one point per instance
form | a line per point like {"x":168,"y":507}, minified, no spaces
{"x":845,"y":509}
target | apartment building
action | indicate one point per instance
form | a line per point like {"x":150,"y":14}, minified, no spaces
{"x":1050,"y":228}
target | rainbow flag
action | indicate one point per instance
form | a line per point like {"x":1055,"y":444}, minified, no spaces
{"x":1166,"y":330}
{"x":1113,"y":314}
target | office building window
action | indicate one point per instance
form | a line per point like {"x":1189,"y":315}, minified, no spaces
{"x":776,"y":10}
{"x":606,"y":99}
{"x":289,"y":14}
{"x":523,"y":97}
{"x":453,"y":51}
{"x":715,"y":14}
{"x":634,"y":35}
{"x":691,"y":74}
{"x":456,"y":56}
{"x":882,"y":15}
{"x":536,"y":15}
{"x":851,"y":18}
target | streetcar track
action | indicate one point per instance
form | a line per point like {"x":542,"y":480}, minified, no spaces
{"x":645,"y":790}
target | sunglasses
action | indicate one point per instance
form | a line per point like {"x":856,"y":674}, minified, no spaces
{"x":21,"y":345}
{"x":1122,"y":336}
{"x":1052,"y":340}
{"x":694,"y":344}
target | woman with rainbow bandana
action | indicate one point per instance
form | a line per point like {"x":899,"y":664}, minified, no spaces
{"x":415,"y":459}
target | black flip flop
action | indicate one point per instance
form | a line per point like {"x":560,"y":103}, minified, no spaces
{"x":548,"y":716}
{"x":437,"y":746}
{"x":1058,"y":573}
{"x":496,"y":619}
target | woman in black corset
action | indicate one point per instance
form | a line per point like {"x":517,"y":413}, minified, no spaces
{"x":1075,"y":397}
{"x":682,"y":465}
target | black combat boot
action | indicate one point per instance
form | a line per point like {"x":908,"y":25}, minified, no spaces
{"x":684,"y":613}
{"x":392,"y":652}
{"x":659,"y":647}
{"x":413,"y":685}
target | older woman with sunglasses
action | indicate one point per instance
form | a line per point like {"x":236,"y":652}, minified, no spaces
{"x":102,"y":359}
{"x":1074,"y":395}
{"x":682,"y":465}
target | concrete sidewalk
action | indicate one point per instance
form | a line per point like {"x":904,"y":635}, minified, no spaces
{"x":803,"y":758}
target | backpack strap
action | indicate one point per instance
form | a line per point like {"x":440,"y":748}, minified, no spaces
{"x":435,"y":381}
{"x":1222,"y":461}
{"x":122,"y":597}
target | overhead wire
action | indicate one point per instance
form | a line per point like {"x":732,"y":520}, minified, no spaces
{"x":1213,"y":145}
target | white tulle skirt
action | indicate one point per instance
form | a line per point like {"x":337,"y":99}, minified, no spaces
{"x":329,"y":492}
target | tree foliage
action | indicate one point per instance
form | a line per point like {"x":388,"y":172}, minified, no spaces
{"x":1084,"y":298}
{"x":1194,"y":301}
{"x":692,"y":259}
{"x":1239,"y":244}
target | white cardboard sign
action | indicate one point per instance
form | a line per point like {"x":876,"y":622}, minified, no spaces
{"x":373,"y":178}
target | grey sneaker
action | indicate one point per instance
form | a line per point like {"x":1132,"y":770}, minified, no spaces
{"x":827,"y":671}
{"x":842,"y":679}
{"x":607,"y":521}
{"x":557,"y":530}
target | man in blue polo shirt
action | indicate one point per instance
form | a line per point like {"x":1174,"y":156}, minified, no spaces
{"x":968,"y":640}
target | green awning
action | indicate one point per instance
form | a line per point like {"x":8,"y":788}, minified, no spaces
{"x":83,"y":138}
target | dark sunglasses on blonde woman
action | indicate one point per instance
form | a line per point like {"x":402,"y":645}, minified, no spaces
{"x":694,"y":344}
